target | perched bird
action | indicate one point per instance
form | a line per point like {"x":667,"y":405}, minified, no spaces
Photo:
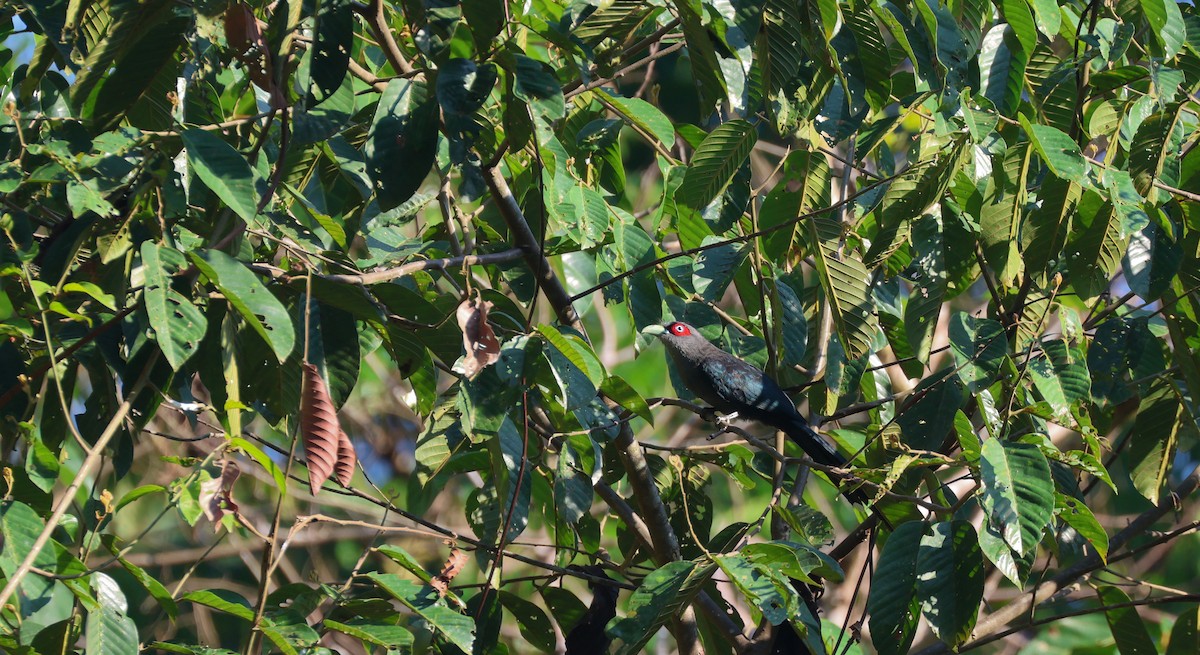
{"x":738,"y":389}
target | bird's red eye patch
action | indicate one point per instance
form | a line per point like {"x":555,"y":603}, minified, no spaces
{"x":679,"y":329}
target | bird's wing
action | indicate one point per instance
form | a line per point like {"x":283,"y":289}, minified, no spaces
{"x":734,"y":381}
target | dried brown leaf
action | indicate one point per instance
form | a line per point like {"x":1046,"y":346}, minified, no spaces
{"x":245,"y":37}
{"x":453,"y":566}
{"x":483,"y":349}
{"x":320,"y":429}
{"x":343,"y":468}
{"x":216,"y":495}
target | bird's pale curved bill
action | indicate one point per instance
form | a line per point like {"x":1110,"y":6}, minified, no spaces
{"x":653,"y":330}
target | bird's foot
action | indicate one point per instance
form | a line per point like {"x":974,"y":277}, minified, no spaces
{"x":723,"y":421}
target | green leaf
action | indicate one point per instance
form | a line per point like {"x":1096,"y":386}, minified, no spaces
{"x":110,"y":632}
{"x":713,"y":164}
{"x":405,"y":560}
{"x":1153,"y":442}
{"x":618,"y":390}
{"x":149,"y":583}
{"x":578,"y":371}
{"x":178,"y":325}
{"x":333,"y":40}
{"x":1002,"y":61}
{"x":532,"y":621}
{"x":795,"y":560}
{"x":925,"y":302}
{"x":979,"y":346}
{"x":805,"y":186}
{"x":223,"y":600}
{"x":1001,"y":216}
{"x":257,"y":306}
{"x":1018,"y":492}
{"x":929,"y":420}
{"x":537,"y":86}
{"x":795,"y":324}
{"x":1061,"y":376}
{"x":405,"y":129}
{"x":255,"y":453}
{"x":1154,"y":154}
{"x":1168,"y":28}
{"x":761,"y":586}
{"x":716,"y":267}
{"x":459,"y":629}
{"x":41,"y":464}
{"x":578,"y":462}
{"x":1185,"y":636}
{"x":706,"y":66}
{"x":657,"y":599}
{"x":134,"y":49}
{"x":1058,"y":150}
{"x":463,"y":85}
{"x":1078,"y":516}
{"x":379,"y":634}
{"x":892,"y":605}
{"x":223,"y":170}
{"x":950,"y":579}
{"x":1128,"y":629}
{"x":646,"y":116}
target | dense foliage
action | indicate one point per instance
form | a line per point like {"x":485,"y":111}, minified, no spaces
{"x":258,"y":237}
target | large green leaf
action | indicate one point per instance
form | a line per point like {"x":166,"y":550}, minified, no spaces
{"x":950,"y":578}
{"x":892,"y":605}
{"x":1060,"y":153}
{"x":459,"y":629}
{"x":1154,"y":155}
{"x":333,"y":39}
{"x":979,"y":347}
{"x":929,"y":419}
{"x":762,"y":586}
{"x":646,"y":116}
{"x":716,"y":267}
{"x":576,"y":367}
{"x":223,"y":170}
{"x":257,"y":306}
{"x":532,"y":621}
{"x":929,"y":289}
{"x":657,"y":599}
{"x":1185,"y":636}
{"x":1003,"y":208}
{"x":715,"y":161}
{"x":805,"y":186}
{"x":1060,"y":374}
{"x":1018,"y":492}
{"x":178,"y":325}
{"x":402,"y":142}
{"x":110,"y":632}
{"x":1128,"y":629}
{"x":139,"y":44}
{"x":706,"y":66}
{"x":1152,"y":443}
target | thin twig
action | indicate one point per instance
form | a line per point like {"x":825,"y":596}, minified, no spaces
{"x":84,"y":473}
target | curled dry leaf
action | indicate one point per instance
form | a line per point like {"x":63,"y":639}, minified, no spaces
{"x":216,"y":495}
{"x":320,"y":429}
{"x":453,"y":566}
{"x":483,"y":349}
{"x":343,"y":468}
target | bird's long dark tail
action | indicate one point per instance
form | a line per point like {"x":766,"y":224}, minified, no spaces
{"x":819,"y":451}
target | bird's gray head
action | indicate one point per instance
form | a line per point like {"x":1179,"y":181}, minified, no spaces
{"x":679,"y":337}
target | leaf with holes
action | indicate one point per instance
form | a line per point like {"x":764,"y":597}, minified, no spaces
{"x":1018,"y":492}
{"x":257,"y":306}
{"x":178,"y":325}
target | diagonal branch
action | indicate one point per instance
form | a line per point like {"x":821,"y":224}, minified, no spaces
{"x":85,"y":472}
